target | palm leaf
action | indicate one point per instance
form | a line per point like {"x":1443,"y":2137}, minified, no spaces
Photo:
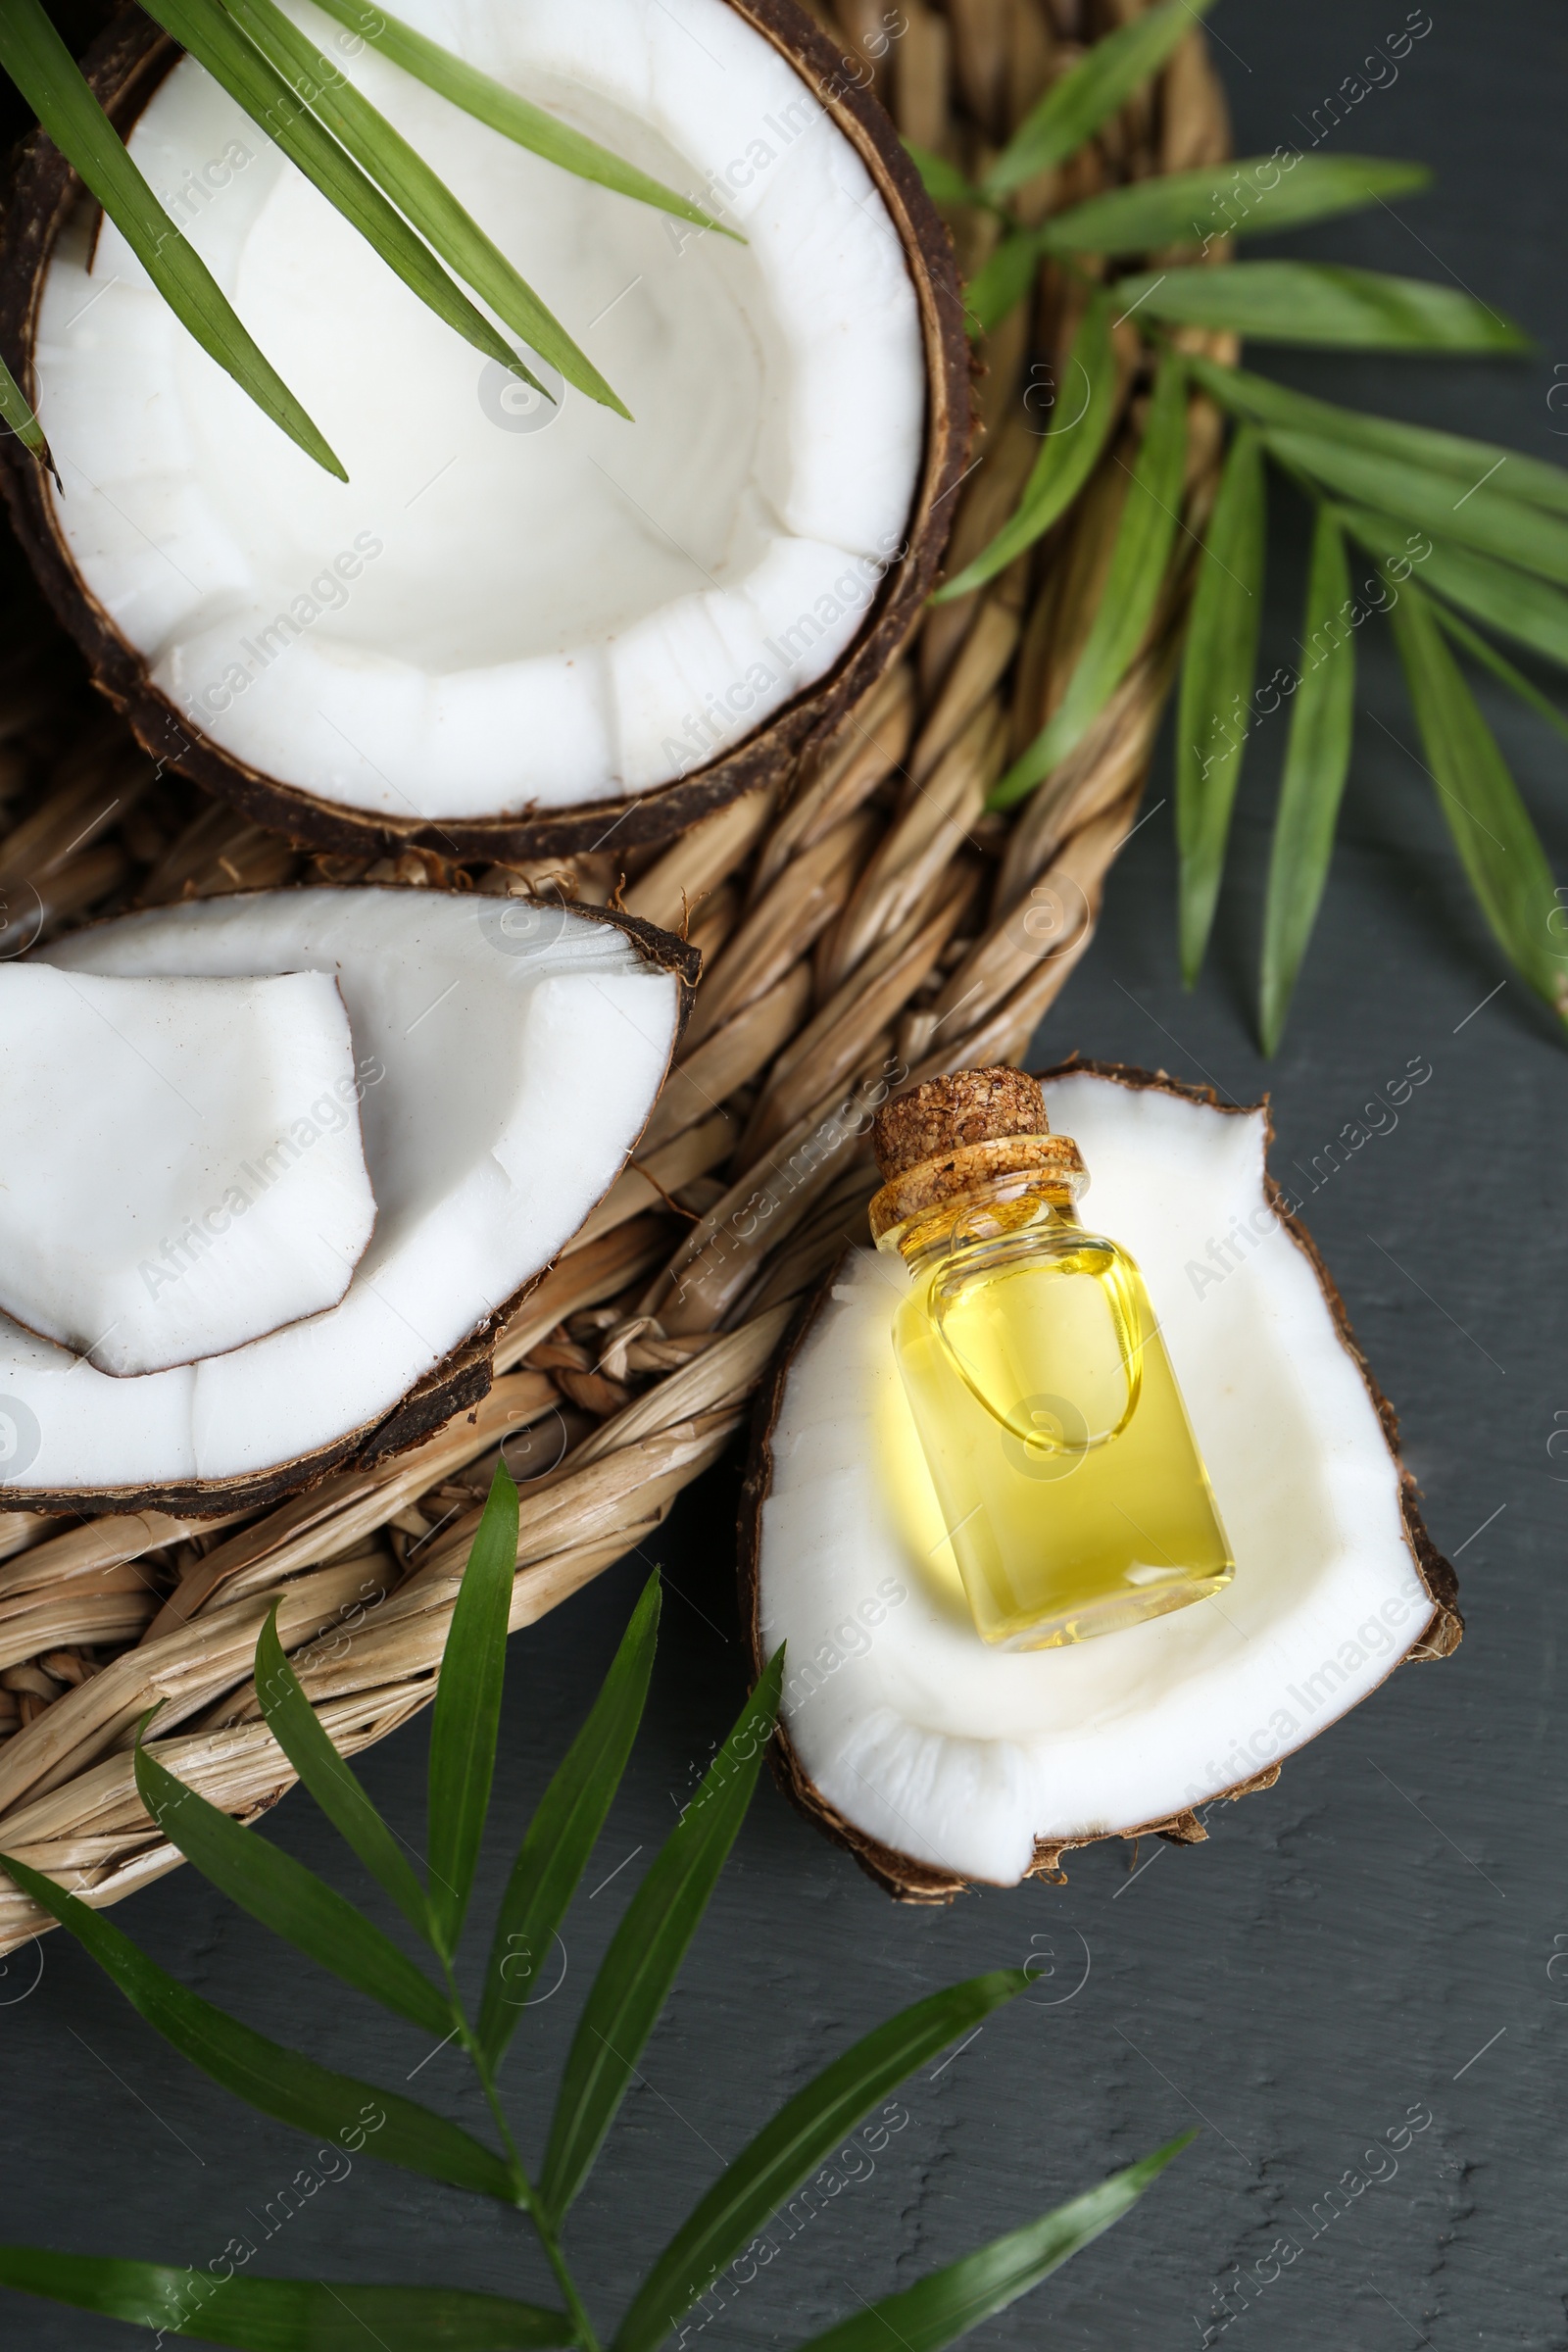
{"x":566,"y":1829}
{"x":278,"y":2082}
{"x":335,"y":1787}
{"x":647,"y":1949}
{"x":1502,"y":670}
{"x":1494,"y":592}
{"x":503,"y":110}
{"x":1073,"y":108}
{"x":943,"y":181}
{"x":1497,"y":844}
{"x":468,"y":1710}
{"x":16,"y":412}
{"x":419,"y":192}
{"x":233,"y":61}
{"x":1214,"y":709}
{"x":1181,"y":207}
{"x":43,"y":70}
{"x":1310,"y":302}
{"x":283,"y":2315}
{"x":1002,"y":282}
{"x":1133,"y":584}
{"x":288,"y":1899}
{"x":938,"y":2310}
{"x":1317,"y":762}
{"x":1476,"y":516}
{"x":800,"y":2138}
{"x":1068,"y":453}
{"x":1507,"y":470}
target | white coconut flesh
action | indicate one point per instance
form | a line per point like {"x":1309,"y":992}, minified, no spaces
{"x":507,"y":1061}
{"x":143,"y":1126}
{"x":486,"y":618}
{"x":961,"y":1756}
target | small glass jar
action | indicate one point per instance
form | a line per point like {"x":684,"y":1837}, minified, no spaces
{"x":1063,"y":1461}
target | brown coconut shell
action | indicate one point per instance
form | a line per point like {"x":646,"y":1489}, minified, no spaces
{"x":124,"y":68}
{"x":910,"y":1881}
{"x":457,"y":1384}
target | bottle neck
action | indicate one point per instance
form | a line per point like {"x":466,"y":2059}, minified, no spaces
{"x":998,"y":1209}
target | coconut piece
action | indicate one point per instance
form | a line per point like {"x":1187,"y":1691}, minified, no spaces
{"x":508,"y":1053}
{"x":147,"y":1128}
{"x":513,"y":611}
{"x":942,"y":1762}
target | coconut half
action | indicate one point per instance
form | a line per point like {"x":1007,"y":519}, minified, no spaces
{"x":144,"y":1125}
{"x":505,"y":1057}
{"x":518,"y":628}
{"x":942,"y":1762}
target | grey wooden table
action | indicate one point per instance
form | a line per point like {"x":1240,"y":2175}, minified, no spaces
{"x":1370,"y":1944}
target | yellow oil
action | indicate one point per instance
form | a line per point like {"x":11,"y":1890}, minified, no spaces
{"x":1074,"y":1494}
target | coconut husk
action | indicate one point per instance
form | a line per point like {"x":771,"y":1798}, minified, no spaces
{"x":863,"y":923}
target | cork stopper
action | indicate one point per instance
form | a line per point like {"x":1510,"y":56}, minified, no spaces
{"x":972,"y":1107}
{"x":953,"y":1135}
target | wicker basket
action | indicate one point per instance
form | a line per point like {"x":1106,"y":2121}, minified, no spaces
{"x":869,"y":925}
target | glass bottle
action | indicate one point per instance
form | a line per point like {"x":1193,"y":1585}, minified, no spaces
{"x":1066,"y":1470}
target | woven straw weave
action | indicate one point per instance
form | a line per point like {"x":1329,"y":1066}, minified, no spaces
{"x":871,"y":924}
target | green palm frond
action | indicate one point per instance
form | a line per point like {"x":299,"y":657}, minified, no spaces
{"x":17,"y":414}
{"x":629,"y":1991}
{"x":1486,"y":527}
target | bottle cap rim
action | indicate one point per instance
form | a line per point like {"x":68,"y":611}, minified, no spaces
{"x":947,"y":1175}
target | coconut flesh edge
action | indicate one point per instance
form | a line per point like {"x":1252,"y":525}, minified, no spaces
{"x":961,"y":1756}
{"x":134,"y":1116}
{"x":486,"y":617}
{"x":507,"y":1057}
